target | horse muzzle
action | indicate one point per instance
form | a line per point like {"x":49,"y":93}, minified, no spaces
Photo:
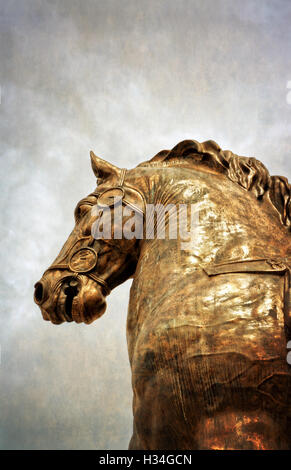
{"x":66,"y":297}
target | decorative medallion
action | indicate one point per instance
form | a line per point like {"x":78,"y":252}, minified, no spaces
{"x":83,"y":260}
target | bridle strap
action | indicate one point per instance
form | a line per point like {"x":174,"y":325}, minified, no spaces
{"x":101,"y":281}
{"x":93,"y":276}
{"x":122,"y":176}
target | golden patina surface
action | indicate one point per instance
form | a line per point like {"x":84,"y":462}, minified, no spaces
{"x":207,"y":324}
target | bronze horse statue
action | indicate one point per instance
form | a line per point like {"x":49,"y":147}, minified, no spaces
{"x":208,"y":325}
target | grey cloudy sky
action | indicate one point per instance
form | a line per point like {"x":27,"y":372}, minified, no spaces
{"x":125,"y":78}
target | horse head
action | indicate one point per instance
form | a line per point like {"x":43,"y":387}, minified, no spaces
{"x":89,"y":266}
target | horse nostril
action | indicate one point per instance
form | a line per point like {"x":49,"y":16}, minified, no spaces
{"x":38,"y":292}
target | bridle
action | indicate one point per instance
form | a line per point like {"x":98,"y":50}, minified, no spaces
{"x":84,"y":259}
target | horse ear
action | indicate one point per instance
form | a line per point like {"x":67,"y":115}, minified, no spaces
{"x":102,"y":169}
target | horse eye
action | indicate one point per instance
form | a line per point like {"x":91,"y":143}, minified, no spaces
{"x":80,"y":211}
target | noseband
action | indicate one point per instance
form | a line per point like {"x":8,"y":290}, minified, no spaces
{"x":84,"y":259}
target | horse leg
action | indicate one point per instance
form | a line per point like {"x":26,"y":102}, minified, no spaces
{"x":159,"y":422}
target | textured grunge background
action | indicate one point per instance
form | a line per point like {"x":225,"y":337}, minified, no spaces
{"x":125,"y":78}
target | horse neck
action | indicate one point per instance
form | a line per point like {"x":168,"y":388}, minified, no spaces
{"x":231,"y":224}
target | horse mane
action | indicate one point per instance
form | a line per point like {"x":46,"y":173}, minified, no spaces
{"x":248,"y":172}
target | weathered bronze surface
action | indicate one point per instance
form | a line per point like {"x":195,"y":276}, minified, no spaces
{"x":207,"y":326}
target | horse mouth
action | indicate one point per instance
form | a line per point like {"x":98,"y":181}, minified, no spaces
{"x":68,"y":308}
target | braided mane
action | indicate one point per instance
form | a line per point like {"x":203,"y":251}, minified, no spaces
{"x":248,"y":172}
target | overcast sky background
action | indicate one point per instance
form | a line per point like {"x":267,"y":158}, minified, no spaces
{"x":125,"y":78}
